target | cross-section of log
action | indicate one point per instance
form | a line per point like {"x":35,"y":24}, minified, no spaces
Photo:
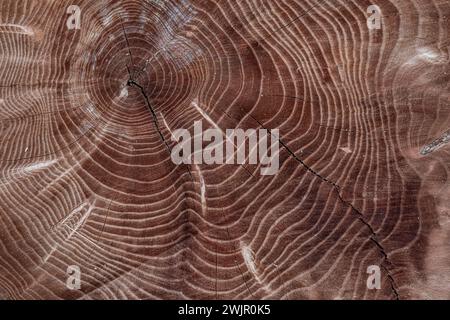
{"x":92,"y":205}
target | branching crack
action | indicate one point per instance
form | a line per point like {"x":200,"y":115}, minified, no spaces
{"x":132,"y":83}
{"x":358,"y":213}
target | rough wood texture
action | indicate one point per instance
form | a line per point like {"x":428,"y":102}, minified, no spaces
{"x":85,"y":171}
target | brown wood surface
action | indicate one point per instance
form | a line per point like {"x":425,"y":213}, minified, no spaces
{"x":86,"y":176}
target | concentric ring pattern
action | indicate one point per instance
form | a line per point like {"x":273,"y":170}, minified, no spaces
{"x":86,"y":177}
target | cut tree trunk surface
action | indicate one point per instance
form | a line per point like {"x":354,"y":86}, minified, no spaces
{"x":87,"y":118}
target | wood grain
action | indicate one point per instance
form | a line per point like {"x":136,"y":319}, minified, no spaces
{"x":85,"y":171}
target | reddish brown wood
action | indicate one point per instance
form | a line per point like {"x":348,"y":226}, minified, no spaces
{"x":86,"y":177}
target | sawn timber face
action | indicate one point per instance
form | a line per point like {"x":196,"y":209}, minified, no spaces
{"x":87,"y":118}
